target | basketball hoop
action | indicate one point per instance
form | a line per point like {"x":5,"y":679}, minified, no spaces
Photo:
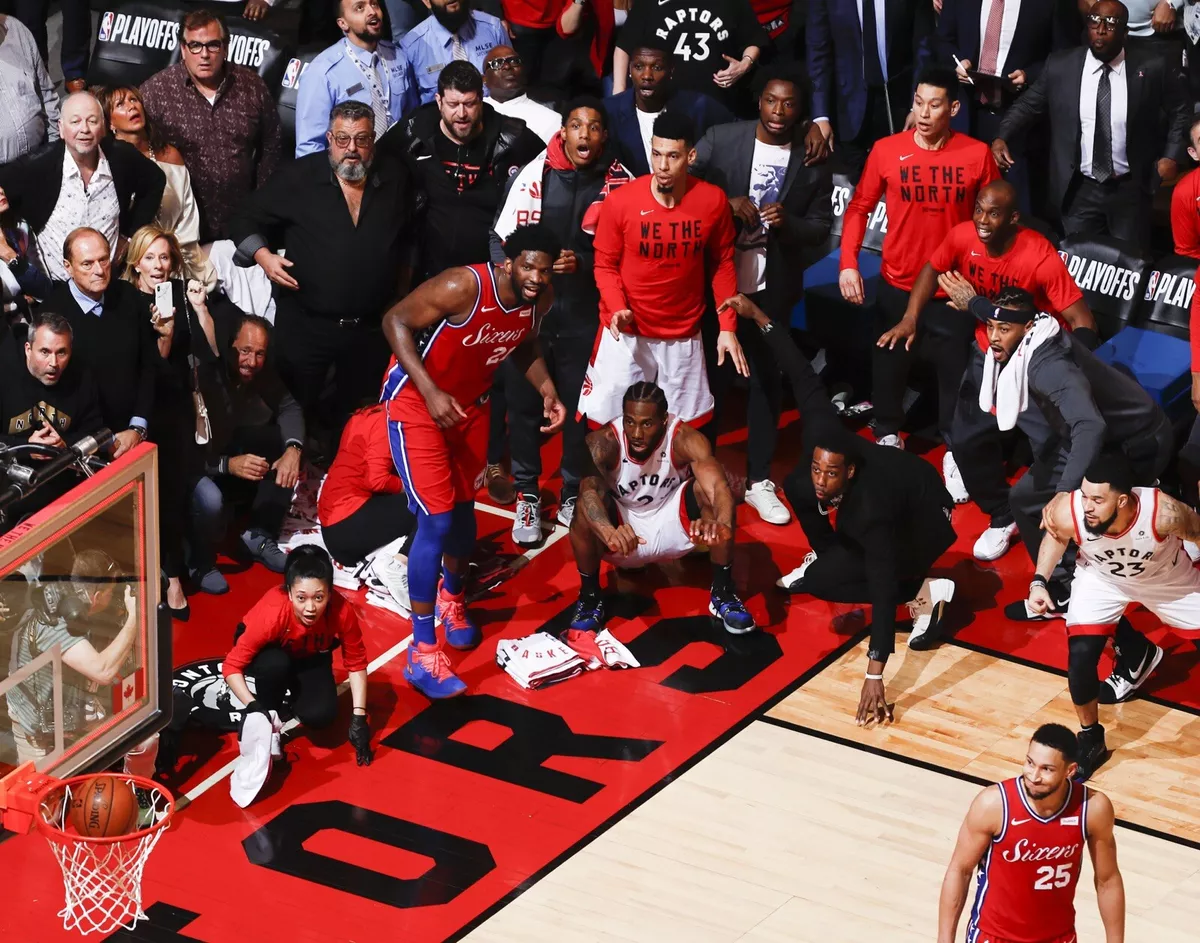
{"x":102,"y":876}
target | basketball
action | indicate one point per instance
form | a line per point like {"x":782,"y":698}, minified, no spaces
{"x":102,"y":807}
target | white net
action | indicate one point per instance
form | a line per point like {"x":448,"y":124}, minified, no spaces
{"x":103,"y":877}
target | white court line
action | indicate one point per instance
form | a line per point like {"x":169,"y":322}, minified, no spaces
{"x":227,"y":770}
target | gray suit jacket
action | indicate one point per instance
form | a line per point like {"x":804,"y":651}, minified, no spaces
{"x":724,"y":157}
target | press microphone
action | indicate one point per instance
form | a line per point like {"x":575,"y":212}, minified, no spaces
{"x":87,"y":446}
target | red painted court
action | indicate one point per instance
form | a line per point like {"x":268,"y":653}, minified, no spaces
{"x":470,"y":802}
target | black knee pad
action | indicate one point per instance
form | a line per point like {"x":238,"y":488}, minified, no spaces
{"x":1083,"y":658}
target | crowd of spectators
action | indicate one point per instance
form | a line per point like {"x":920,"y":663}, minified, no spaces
{"x":414,"y":132}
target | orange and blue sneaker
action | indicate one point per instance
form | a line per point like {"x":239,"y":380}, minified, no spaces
{"x":461,"y":632}
{"x":427,"y":668}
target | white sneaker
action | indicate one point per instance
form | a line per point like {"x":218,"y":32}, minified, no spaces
{"x":566,"y":512}
{"x":527,"y":525}
{"x":791,"y":579}
{"x":953,"y":478}
{"x":994,"y":542}
{"x":927,"y":611}
{"x":1193,"y":551}
{"x":761,"y":497}
{"x":891,"y":441}
{"x":387,"y":574}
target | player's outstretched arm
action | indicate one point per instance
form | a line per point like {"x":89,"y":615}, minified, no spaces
{"x":1176,"y":519}
{"x":984,"y":820}
{"x":1060,"y":530}
{"x":529,"y":360}
{"x":449,"y":296}
{"x":1110,"y":888}
{"x":691,"y":448}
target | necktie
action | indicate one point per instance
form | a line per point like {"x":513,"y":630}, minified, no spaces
{"x":872,"y":67}
{"x":990,"y":51}
{"x":1102,"y":165}
{"x":382,"y":118}
{"x":459,"y":50}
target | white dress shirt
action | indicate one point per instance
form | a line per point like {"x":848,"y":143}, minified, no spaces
{"x":542,"y":121}
{"x":1092,"y":67}
{"x":1008,"y":26}
{"x":95,"y":205}
{"x":880,"y":32}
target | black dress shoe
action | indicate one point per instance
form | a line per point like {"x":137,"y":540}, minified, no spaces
{"x":181,"y":615}
{"x":1093,"y":753}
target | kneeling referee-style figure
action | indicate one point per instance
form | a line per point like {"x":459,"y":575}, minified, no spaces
{"x":893,"y":522}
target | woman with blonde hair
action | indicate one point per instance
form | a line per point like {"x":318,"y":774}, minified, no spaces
{"x":127,"y":120}
{"x":187,"y":342}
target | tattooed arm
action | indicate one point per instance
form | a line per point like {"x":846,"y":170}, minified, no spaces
{"x":689,"y":447}
{"x":1059,"y":526}
{"x":605,"y":455}
{"x":1176,"y":519}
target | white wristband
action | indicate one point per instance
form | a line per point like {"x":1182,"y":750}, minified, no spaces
{"x":871,"y":677}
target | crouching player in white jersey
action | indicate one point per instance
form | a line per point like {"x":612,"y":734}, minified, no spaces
{"x":656,"y":493}
{"x":1130,"y":551}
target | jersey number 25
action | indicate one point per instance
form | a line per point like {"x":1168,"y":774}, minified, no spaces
{"x":1050,"y":877}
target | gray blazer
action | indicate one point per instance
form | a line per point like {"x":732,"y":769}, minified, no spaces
{"x":724,"y":157}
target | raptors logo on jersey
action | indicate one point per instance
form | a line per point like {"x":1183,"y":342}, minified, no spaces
{"x":463,"y":358}
{"x":1138,"y":552}
{"x":644,"y":486}
{"x":1027,"y":878}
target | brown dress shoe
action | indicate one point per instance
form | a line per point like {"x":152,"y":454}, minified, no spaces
{"x":499,"y":486}
{"x":76,"y":85}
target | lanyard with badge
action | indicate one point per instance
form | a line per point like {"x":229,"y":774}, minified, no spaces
{"x":381,"y":90}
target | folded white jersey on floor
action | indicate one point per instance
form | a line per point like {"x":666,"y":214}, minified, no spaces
{"x":613,"y":652}
{"x":538,"y":660}
{"x":258,"y":747}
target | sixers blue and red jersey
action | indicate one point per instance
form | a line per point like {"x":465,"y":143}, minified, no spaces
{"x":440,"y":467}
{"x":1026,"y":890}
{"x":463,"y":358}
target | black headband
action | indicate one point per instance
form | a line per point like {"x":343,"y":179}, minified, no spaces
{"x":985,"y":311}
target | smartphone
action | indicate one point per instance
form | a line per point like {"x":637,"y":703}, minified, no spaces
{"x":164,"y":300}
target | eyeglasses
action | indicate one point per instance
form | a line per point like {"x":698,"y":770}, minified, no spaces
{"x":366,"y":139}
{"x":503,"y":62}
{"x":1112,"y":22}
{"x":213,"y":46}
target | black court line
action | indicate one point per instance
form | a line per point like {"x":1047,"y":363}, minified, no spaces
{"x":967,"y":777}
{"x":758,"y":714}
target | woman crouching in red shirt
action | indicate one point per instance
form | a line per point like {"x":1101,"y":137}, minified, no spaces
{"x":286,"y":642}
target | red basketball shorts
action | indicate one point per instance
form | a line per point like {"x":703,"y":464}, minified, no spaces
{"x":988,"y":938}
{"x":440,"y":467}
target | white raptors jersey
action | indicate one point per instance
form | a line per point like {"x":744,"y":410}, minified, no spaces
{"x":644,"y":486}
{"x":1139,"y":552}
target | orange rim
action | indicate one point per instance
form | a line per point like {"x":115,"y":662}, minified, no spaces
{"x":47,"y":808}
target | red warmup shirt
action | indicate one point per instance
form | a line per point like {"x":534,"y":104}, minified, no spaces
{"x":655,"y":261}
{"x":774,"y":15}
{"x":272,"y":622}
{"x":534,"y":14}
{"x":1185,"y":215}
{"x":927,"y":193}
{"x":362,"y":467}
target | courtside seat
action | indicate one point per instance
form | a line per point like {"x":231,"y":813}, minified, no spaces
{"x":1167,"y":300}
{"x":1160,"y":363}
{"x":830,"y":318}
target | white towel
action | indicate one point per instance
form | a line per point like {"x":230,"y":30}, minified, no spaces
{"x":1005,"y":387}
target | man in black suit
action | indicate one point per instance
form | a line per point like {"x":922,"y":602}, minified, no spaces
{"x":1118,"y":126}
{"x":782,"y":212}
{"x":862,"y":91}
{"x":1007,"y":38}
{"x":83,"y":179}
{"x":112,"y":338}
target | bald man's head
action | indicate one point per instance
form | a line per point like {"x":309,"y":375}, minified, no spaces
{"x":996,"y":215}
{"x":504,"y":74}
{"x":81,"y":124}
{"x":1107,"y":26}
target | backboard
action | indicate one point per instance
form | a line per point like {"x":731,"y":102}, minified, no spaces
{"x":85,"y":654}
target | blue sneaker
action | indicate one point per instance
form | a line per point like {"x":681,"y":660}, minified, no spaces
{"x":461,"y":632}
{"x":732,"y":612}
{"x":427,"y":668}
{"x":589,"y":614}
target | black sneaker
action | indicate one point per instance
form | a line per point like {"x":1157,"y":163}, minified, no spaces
{"x":265,"y":550}
{"x":1125,"y":679}
{"x":1093,"y":753}
{"x":1019,"y":611}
